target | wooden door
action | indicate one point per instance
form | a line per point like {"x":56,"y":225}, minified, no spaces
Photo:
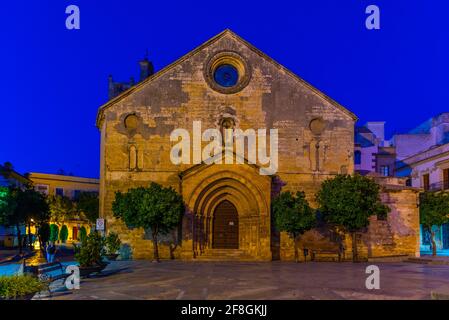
{"x":225,"y":226}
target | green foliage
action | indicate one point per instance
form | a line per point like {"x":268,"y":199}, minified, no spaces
{"x":82,"y":234}
{"x":8,"y":204}
{"x":13,"y":287}
{"x":19,"y":206}
{"x":112,"y":243}
{"x":156,"y":208}
{"x":8,"y":166}
{"x":88,"y":205}
{"x":91,"y":250}
{"x":434,"y":209}
{"x":293,"y":214}
{"x":44,"y":233}
{"x":54,"y":233}
{"x":64,"y":234}
{"x":349,"y":201}
{"x":61,"y":208}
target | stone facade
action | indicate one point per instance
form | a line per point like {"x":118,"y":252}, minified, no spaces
{"x":316,"y":141}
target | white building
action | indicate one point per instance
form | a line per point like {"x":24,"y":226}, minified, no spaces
{"x":423,"y":156}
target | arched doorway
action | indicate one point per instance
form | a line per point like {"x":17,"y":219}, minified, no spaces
{"x":225,"y":226}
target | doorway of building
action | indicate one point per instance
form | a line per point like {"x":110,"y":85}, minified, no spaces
{"x":225,"y":226}
{"x":75,"y":234}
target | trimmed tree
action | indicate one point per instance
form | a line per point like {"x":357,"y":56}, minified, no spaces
{"x":292,"y":214}
{"x":348,"y":202}
{"x":44,"y":234}
{"x":433,"y":211}
{"x":54,"y":233}
{"x":64,"y":234}
{"x":156,"y":208}
{"x":83,"y":234}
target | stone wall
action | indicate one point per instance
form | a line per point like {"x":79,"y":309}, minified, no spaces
{"x":316,"y":134}
{"x":397,"y":235}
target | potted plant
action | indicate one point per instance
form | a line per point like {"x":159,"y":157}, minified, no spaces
{"x":90,"y":253}
{"x":22,"y":287}
{"x":112,"y":246}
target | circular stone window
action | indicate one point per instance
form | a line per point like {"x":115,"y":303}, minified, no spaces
{"x":227,"y":72}
{"x":317,"y":126}
{"x":226,"y":75}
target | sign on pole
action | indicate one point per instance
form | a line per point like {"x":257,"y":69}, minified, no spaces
{"x":100,"y":225}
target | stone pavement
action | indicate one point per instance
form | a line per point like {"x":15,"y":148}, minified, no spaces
{"x":267,"y":281}
{"x":13,"y":255}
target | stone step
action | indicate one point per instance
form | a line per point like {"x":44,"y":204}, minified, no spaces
{"x":224,"y":255}
{"x":427,"y":261}
{"x":419,"y":260}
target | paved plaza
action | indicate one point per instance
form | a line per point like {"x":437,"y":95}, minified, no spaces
{"x":130,"y":280}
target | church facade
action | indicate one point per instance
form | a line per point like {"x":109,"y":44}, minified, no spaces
{"x":227,"y":83}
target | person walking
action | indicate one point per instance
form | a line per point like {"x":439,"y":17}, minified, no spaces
{"x":51,"y":251}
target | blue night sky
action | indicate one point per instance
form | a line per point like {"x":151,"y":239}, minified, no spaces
{"x":54,"y":79}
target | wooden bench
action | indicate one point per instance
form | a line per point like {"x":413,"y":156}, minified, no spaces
{"x":338,"y":252}
{"x":44,"y":273}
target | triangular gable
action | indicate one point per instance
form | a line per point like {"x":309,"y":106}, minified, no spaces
{"x":201,"y":47}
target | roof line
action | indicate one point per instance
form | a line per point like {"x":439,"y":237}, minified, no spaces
{"x":199,"y":48}
{"x":158,"y":74}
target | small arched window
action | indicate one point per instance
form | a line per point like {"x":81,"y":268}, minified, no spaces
{"x":132,"y":157}
{"x":357,"y":157}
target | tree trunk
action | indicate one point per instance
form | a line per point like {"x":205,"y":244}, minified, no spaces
{"x":29,"y":236}
{"x":434,"y":244}
{"x":19,"y":237}
{"x":355,"y":257}
{"x":155,"y":247}
{"x":295,"y":239}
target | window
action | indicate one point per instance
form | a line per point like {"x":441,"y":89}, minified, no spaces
{"x":426,"y":182}
{"x":408,"y":182}
{"x":385,"y":171}
{"x":42,"y":188}
{"x":76,"y":194}
{"x":446,"y":179}
{"x":59,"y":192}
{"x":227,"y":72}
{"x":357,"y":157}
{"x":226,"y":75}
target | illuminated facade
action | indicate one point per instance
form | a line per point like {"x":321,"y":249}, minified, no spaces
{"x":68,"y":186}
{"x":228,"y":83}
